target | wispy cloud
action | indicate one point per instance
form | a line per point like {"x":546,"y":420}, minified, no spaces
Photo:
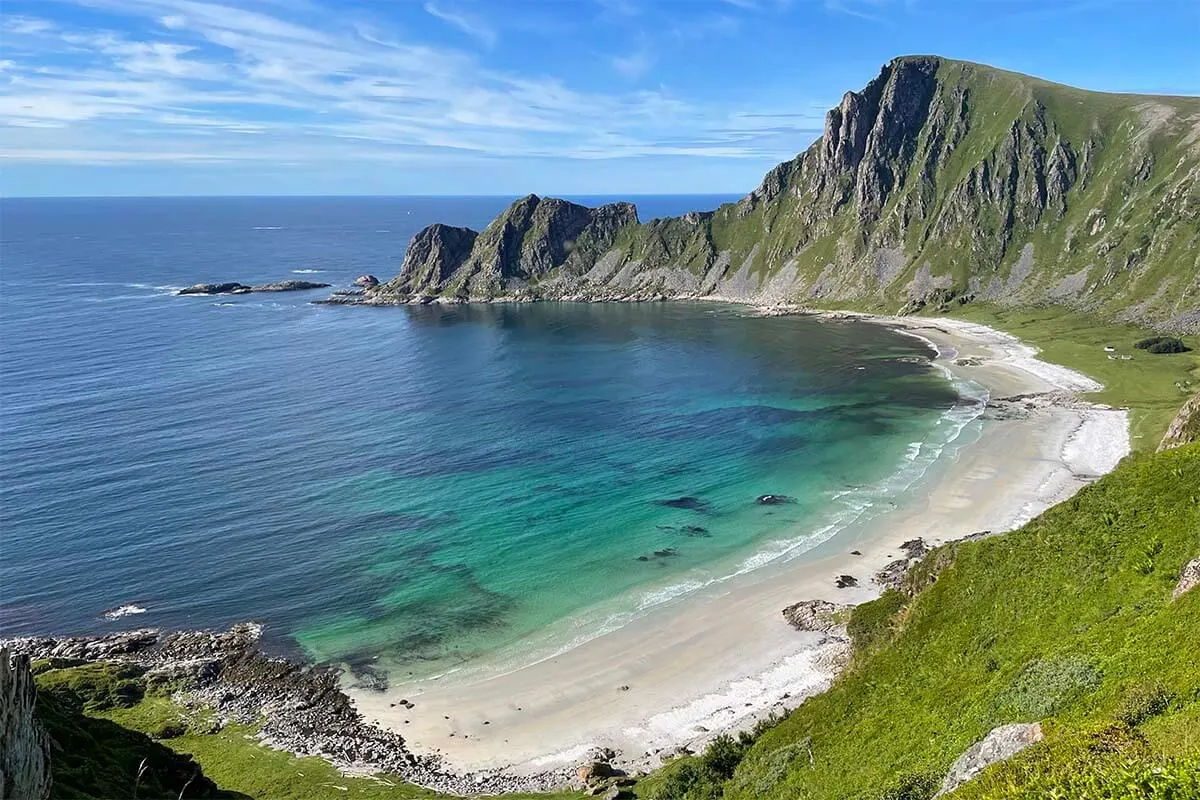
{"x":198,"y":82}
{"x":869,"y":10}
{"x":634,"y":65}
{"x":469,"y":24}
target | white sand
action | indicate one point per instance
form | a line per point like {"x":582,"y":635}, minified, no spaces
{"x":722,"y":656}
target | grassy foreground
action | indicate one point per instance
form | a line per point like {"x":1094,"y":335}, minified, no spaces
{"x":1068,"y":620}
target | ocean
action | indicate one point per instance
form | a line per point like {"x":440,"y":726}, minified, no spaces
{"x":411,"y":487}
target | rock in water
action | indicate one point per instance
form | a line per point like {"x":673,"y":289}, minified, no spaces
{"x":366,"y":281}
{"x":25,"y":750}
{"x":1000,"y":745}
{"x":774,"y":499}
{"x":289,"y":286}
{"x":688,"y":503}
{"x":231,"y":287}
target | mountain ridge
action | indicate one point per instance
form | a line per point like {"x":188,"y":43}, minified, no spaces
{"x":940,"y":182}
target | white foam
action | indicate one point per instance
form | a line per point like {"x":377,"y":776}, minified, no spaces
{"x":268,"y":227}
{"x":797,"y":676}
{"x":571,"y":755}
{"x":307,"y":271}
{"x":123,"y":611}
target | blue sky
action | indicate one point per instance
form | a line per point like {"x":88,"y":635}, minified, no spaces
{"x":144,"y":97}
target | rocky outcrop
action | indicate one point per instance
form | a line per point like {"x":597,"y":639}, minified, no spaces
{"x":1000,"y":744}
{"x":1185,"y":428}
{"x":302,"y":709}
{"x":940,"y":183}
{"x":817,"y":616}
{"x":894,"y":574}
{"x":1189,"y":578}
{"x":241,"y":288}
{"x":24,"y":745}
{"x":533,"y":239}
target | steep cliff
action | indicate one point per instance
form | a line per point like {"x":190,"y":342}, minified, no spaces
{"x":24,"y":745}
{"x":531,"y":240}
{"x":941,"y":182}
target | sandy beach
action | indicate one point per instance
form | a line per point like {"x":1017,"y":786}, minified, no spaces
{"x":723,"y":656}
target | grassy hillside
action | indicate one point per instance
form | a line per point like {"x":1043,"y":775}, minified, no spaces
{"x":1151,"y":386}
{"x":1068,"y":620}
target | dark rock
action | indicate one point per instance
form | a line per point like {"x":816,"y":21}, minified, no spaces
{"x":289,"y":286}
{"x":667,"y":552}
{"x":774,"y":500}
{"x":217,"y":288}
{"x":846,"y":581}
{"x":366,"y":281}
{"x":241,"y":288}
{"x":688,"y":503}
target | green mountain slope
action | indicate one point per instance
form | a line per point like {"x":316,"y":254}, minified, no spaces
{"x":941,"y":182}
{"x":1068,"y":621}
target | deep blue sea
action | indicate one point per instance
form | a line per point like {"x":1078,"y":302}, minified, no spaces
{"x":420,"y":485}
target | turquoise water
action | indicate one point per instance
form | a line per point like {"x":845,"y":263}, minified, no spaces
{"x":413,"y":487}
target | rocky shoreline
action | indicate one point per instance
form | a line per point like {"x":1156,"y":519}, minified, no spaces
{"x":302,"y":708}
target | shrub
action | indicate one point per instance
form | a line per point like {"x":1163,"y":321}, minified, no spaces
{"x":1162,"y":344}
{"x":915,"y":786}
{"x":1044,"y":685}
{"x":1143,"y":703}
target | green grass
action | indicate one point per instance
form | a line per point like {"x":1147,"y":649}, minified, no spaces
{"x":1151,"y":386}
{"x":1067,"y":621}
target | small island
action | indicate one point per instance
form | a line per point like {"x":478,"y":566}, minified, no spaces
{"x":233,"y":287}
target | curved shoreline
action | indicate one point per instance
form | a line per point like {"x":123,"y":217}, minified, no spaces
{"x":723,"y":657}
{"x":718,"y":659}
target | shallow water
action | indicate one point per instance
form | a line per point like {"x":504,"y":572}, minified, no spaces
{"x":418,"y":485}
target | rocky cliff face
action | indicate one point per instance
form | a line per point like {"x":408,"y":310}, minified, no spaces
{"x":24,"y":745}
{"x":1185,"y":428}
{"x":530,"y":241}
{"x":941,"y":182}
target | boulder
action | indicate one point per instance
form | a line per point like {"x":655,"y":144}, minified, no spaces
{"x":1188,"y":578}
{"x":774,"y":499}
{"x":814,"y":615}
{"x":1000,"y":744}
{"x":366,"y":281}
{"x":846,"y":581}
{"x":596,"y":771}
